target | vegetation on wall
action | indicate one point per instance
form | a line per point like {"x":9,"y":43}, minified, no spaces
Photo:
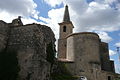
{"x":8,"y":65}
{"x":50,"y":53}
{"x":117,"y":78}
{"x":62,"y":73}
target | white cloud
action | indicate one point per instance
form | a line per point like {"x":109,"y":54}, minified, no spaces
{"x":23,"y":7}
{"x":98,"y":15}
{"x":110,"y":1}
{"x":53,"y":3}
{"x":10,"y":9}
{"x":95,"y":5}
{"x":117,"y":68}
{"x":5,"y":16}
{"x":111,"y":52}
{"x":112,"y":59}
{"x":78,"y":6}
{"x":118,"y":44}
{"x":28,"y":20}
{"x":104,"y":36}
{"x":54,"y":18}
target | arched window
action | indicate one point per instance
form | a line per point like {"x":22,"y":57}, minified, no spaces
{"x":64,"y":28}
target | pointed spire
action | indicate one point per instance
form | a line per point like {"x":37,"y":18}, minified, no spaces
{"x":66,"y":17}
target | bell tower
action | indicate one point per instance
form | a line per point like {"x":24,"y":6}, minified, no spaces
{"x":66,"y":28}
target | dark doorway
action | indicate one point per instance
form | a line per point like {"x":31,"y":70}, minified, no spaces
{"x":109,"y":78}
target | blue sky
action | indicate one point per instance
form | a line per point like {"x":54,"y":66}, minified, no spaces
{"x":100,"y":16}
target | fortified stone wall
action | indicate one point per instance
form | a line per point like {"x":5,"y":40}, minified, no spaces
{"x":112,"y":68}
{"x":3,"y":34}
{"x":30,"y":42}
{"x":106,"y":64}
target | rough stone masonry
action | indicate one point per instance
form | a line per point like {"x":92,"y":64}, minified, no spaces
{"x":30,"y":42}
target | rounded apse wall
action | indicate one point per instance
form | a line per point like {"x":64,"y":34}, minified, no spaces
{"x":83,"y":45}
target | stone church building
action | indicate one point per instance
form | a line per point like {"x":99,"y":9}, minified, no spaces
{"x":85,"y":55}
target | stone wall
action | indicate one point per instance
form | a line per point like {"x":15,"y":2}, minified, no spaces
{"x":30,"y":42}
{"x":62,"y":44}
{"x":68,"y":29}
{"x":70,"y":49}
{"x":4,"y":29}
{"x":106,"y":64}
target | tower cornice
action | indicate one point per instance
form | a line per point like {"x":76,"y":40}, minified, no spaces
{"x":63,"y":23}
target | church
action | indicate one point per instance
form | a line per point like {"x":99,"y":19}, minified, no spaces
{"x":85,"y":55}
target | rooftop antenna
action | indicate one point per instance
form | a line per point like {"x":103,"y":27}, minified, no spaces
{"x":118,"y":51}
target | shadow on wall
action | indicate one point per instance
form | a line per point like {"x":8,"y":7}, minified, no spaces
{"x":9,"y":67}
